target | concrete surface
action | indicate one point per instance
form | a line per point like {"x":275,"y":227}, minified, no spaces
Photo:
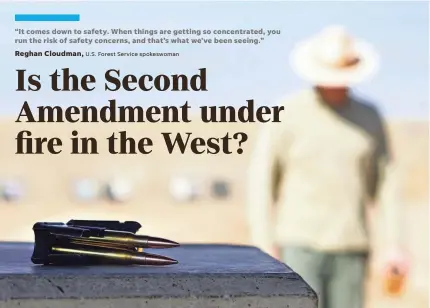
{"x":207,"y":276}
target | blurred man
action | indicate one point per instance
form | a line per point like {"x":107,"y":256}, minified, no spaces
{"x":322,"y":165}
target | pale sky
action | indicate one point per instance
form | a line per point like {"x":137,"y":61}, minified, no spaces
{"x":399,"y":31}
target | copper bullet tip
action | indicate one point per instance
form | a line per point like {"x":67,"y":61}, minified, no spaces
{"x":152,"y":259}
{"x":158,"y":242}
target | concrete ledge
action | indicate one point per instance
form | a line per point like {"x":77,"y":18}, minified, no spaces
{"x":253,"y":302}
{"x":207,"y":276}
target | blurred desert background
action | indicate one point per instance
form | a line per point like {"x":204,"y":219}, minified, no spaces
{"x":48,"y":191}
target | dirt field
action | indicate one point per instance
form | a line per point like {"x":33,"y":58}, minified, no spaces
{"x":49,"y":196}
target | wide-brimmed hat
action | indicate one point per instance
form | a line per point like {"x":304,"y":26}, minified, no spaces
{"x":334,"y":58}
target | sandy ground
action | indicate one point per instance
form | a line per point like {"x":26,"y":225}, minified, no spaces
{"x":49,"y":194}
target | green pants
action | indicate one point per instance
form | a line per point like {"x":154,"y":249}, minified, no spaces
{"x":337,"y":278}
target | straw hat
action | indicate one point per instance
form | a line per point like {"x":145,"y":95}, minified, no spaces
{"x":334,"y":58}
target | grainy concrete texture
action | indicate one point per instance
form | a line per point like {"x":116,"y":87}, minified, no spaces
{"x":207,"y":276}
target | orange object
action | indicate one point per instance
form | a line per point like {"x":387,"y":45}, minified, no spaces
{"x":394,"y":282}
